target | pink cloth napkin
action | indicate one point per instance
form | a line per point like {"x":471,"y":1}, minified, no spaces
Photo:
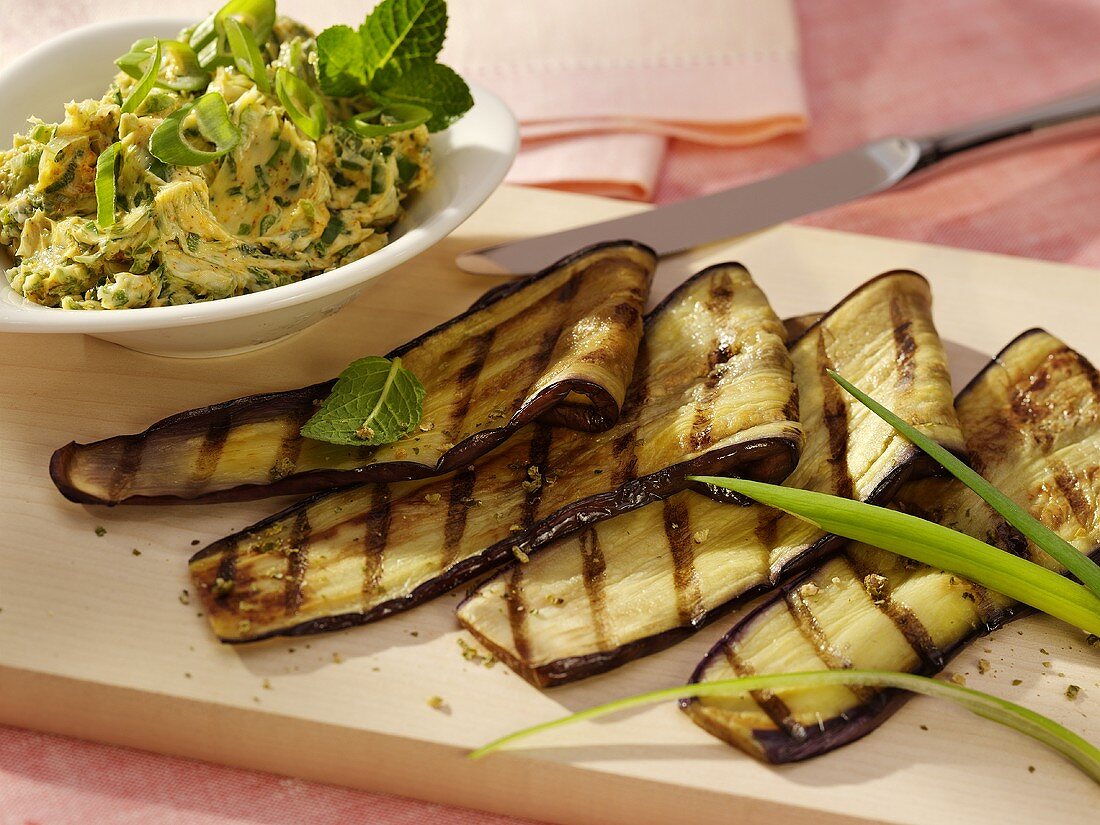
{"x":600,"y":87}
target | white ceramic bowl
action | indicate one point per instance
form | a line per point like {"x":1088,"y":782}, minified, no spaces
{"x":471,"y":159}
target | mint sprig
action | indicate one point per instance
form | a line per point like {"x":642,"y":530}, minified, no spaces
{"x":374,"y":401}
{"x":392,"y":59}
{"x":397,"y":32}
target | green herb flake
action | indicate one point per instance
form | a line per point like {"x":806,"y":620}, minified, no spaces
{"x":101,"y":531}
{"x":374,"y":401}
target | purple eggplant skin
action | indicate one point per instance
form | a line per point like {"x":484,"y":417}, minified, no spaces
{"x":551,"y":405}
{"x":805,"y":742}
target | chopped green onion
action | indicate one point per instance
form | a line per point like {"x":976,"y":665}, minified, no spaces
{"x":1076,"y":562}
{"x":246,"y":53}
{"x":1085,"y":756}
{"x":932,"y":544}
{"x":208,"y":37}
{"x":145,"y":84}
{"x":191,"y":76}
{"x":168,"y":143}
{"x":105,"y":186}
{"x":302,"y":104}
{"x":401,"y":116}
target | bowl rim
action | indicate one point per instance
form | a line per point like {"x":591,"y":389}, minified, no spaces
{"x":23,"y":315}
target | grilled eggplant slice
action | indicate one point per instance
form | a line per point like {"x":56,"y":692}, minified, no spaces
{"x":712,"y":391}
{"x":640,"y":582}
{"x":558,"y":347}
{"x":1032,"y":425}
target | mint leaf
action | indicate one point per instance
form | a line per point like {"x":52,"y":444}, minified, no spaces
{"x":340,"y":67}
{"x":399,"y":31}
{"x":374,"y":401}
{"x":436,"y":87}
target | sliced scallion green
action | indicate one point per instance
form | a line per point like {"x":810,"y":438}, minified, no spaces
{"x":246,"y":53}
{"x":208,"y":38}
{"x":932,"y":544}
{"x":189,"y":76}
{"x":105,"y":186}
{"x":168,"y":143}
{"x":145,"y":84}
{"x":397,"y":117}
{"x":1043,"y":537}
{"x":1085,"y":756}
{"x":302,"y":104}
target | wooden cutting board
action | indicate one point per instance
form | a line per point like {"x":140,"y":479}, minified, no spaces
{"x":99,"y":642}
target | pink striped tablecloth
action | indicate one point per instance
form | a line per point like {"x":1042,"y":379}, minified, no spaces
{"x":871,"y":68}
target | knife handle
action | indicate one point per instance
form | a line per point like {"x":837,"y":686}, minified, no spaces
{"x":1081,"y":105}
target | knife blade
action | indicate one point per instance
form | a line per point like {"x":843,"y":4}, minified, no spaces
{"x":859,"y":172}
{"x":679,"y":226}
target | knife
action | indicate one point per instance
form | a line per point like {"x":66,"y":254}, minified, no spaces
{"x":871,"y":168}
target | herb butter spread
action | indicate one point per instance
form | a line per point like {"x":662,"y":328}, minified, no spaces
{"x":277,"y":207}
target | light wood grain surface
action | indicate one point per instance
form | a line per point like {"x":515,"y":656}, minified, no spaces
{"x":99,"y":642}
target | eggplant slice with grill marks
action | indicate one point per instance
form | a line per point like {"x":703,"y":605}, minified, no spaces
{"x":640,"y":582}
{"x":1032,"y":425}
{"x":712,"y":392}
{"x":557,"y":347}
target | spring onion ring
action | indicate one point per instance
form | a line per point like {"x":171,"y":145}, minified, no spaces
{"x":209,"y":36}
{"x":294,"y":93}
{"x":168,"y":143}
{"x":192,"y":76}
{"x":145,"y":85}
{"x":1085,"y":756}
{"x":246,"y":53}
{"x":403,"y":117}
{"x":1079,"y":564}
{"x":105,"y":186}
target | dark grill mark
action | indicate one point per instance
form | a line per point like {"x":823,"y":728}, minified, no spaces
{"x":376,"y":529}
{"x":904,"y":619}
{"x":128,"y":465}
{"x":210,"y":450}
{"x":625,"y":460}
{"x":689,"y":596}
{"x":775,"y":708}
{"x":815,"y":635}
{"x":700,"y":437}
{"x":466,"y":380}
{"x":904,"y":345}
{"x":1079,"y":504}
{"x":568,"y":291}
{"x":227,"y":567}
{"x":767,"y":526}
{"x":297,"y":561}
{"x":593,"y":570}
{"x":720,"y":294}
{"x":286,"y":458}
{"x":519,"y":379}
{"x":538,"y":457}
{"x":458,"y":505}
{"x":835,"y":413}
{"x":517,"y":614}
{"x":626,"y":314}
